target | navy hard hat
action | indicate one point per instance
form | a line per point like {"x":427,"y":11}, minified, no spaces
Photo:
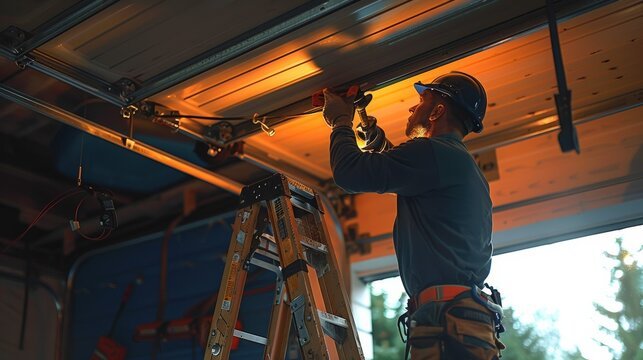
{"x":464,"y":90}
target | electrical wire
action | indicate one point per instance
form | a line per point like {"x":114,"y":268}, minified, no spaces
{"x":105,"y":233}
{"x":42,"y":213}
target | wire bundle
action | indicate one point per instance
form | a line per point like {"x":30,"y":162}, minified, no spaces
{"x":65,"y":195}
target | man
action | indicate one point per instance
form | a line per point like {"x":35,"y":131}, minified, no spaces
{"x":442,"y":232}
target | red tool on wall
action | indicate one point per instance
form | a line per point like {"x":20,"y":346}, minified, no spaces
{"x":107,"y":348}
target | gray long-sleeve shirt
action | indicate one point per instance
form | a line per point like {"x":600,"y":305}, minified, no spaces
{"x":442,"y":232}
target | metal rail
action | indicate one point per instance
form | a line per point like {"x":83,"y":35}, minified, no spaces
{"x":119,"y":139}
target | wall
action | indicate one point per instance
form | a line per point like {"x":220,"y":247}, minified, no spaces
{"x":196,"y":261}
{"x":43,"y":312}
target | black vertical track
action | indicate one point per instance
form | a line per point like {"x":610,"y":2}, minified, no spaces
{"x":25,"y":300}
{"x":567,"y":138}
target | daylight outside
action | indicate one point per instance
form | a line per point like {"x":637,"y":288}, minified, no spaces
{"x":572,"y":300}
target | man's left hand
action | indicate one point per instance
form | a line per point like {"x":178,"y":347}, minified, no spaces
{"x":338,"y":111}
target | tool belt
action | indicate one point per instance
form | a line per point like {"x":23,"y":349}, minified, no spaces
{"x":453,"y":322}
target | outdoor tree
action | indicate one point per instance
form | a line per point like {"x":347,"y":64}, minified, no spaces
{"x":387,"y":344}
{"x":525,"y":341}
{"x":628,"y":318}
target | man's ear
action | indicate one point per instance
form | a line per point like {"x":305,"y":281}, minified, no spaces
{"x":437,"y":112}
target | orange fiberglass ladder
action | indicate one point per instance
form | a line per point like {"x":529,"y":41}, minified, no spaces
{"x":300,"y":239}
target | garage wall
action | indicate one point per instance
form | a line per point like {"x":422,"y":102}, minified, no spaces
{"x":43,"y":313}
{"x":196,"y":262}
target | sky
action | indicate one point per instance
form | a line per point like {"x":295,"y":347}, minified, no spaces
{"x":560,"y":281}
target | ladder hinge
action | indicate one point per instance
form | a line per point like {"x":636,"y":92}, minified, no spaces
{"x":297,"y":307}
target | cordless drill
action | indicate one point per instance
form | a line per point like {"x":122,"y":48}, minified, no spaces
{"x":370,"y":137}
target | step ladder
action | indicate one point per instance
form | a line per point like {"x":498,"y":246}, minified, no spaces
{"x":300,"y":240}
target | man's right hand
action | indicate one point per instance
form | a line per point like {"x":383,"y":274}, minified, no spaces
{"x":364,"y":133}
{"x":372,"y":137}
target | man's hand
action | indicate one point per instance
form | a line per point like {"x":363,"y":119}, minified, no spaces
{"x":372,"y":137}
{"x":365,"y":133}
{"x":338,"y":111}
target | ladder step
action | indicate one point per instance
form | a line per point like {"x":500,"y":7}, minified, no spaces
{"x":266,"y":265}
{"x":250,"y":337}
{"x":332,"y":319}
{"x":314,"y":245}
{"x":334,"y":326}
{"x":315,"y":254}
{"x":267,"y":243}
{"x":301,"y":189}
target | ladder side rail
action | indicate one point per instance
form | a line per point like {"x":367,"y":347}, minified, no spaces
{"x":279,"y":330}
{"x":233,"y":281}
{"x":335,"y":295}
{"x":299,"y":290}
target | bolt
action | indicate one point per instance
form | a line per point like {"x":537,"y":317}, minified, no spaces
{"x":213,"y":152}
{"x":216,"y":349}
{"x":214,"y":332}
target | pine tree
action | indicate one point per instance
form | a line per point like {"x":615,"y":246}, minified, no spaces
{"x":628,"y":320}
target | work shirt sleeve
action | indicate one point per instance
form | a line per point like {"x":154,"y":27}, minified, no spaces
{"x":408,"y":169}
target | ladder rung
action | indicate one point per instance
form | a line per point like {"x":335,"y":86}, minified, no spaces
{"x":266,"y":265}
{"x":332,"y":319}
{"x":314,"y":245}
{"x":334,"y":326}
{"x":301,"y":189}
{"x":267,"y":243}
{"x":268,"y":254}
{"x":250,"y":337}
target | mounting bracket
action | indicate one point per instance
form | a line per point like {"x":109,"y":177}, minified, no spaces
{"x":12,"y":37}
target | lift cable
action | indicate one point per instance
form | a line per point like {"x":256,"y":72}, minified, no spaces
{"x":237,"y":118}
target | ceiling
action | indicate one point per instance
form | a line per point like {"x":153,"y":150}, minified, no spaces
{"x":228,"y":59}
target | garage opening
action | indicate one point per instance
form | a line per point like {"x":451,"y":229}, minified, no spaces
{"x":577,"y":299}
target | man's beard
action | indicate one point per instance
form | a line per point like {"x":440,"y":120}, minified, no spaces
{"x":417,"y":130}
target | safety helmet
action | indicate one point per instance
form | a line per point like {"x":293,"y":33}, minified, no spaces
{"x":464,"y":90}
